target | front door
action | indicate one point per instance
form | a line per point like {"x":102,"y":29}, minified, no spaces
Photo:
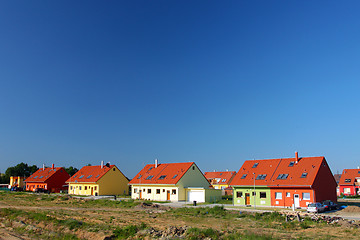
{"x":139,"y":194}
{"x":92,"y":191}
{"x":247,"y":198}
{"x":296,"y":201}
{"x":168,"y":195}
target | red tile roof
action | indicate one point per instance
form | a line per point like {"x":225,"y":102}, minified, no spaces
{"x":41,"y":175}
{"x":89,"y":174}
{"x":220,"y":177}
{"x":164,"y":173}
{"x":350,"y":174}
{"x":279,"y":172}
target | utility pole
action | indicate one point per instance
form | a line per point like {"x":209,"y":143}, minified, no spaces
{"x":254,"y":193}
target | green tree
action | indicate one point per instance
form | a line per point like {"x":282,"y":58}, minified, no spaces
{"x":21,"y":170}
{"x":71,"y":170}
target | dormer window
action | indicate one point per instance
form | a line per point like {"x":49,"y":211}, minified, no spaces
{"x":243,"y":176}
{"x":348,"y":180}
{"x":304,"y":175}
{"x":162,"y":177}
{"x":255,"y":165}
{"x":149,"y":177}
{"x":291,"y":164}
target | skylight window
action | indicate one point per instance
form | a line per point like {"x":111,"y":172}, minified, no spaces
{"x":35,"y":177}
{"x":291,"y":164}
{"x":255,"y":165}
{"x":81,"y":176}
{"x":97,"y":176}
{"x":162,"y":177}
{"x":261,"y":177}
{"x":175,"y":176}
{"x":139,"y":176}
{"x":89,"y":176}
{"x":348,"y":180}
{"x":150,"y":168}
{"x":41,"y":177}
{"x":243,"y":176}
{"x":149,"y":177}
{"x":304,"y":175}
{"x":224,"y":180}
{"x":282,"y":176}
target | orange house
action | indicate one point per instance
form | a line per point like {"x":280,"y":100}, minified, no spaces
{"x":51,"y":179}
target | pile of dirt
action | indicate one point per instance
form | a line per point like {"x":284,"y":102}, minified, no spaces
{"x":170,"y":233}
{"x":351,"y":209}
{"x":151,"y":206}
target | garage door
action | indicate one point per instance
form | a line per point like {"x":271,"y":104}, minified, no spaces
{"x":198,"y":196}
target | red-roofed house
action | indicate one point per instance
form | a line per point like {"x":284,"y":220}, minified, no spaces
{"x":284,"y":182}
{"x":349,"y":183}
{"x":221,"y":180}
{"x":52,"y":179}
{"x":172,"y":182}
{"x":98,"y":180}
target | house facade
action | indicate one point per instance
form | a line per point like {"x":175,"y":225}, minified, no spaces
{"x":51,"y":179}
{"x":349,"y":184}
{"x":98,"y":180}
{"x":220,"y":180}
{"x":172,"y":182}
{"x":289,"y":182}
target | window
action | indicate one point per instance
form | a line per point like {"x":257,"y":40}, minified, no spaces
{"x":287,"y":194}
{"x":173,"y":191}
{"x":41,"y":177}
{"x":79,"y":187}
{"x":347,"y":180}
{"x":97,"y":176}
{"x":291,"y":164}
{"x":306,"y":196}
{"x":193,"y":167}
{"x":135,"y":190}
{"x":162,"y":177}
{"x":253,"y":193}
{"x":163,"y":190}
{"x":149,"y":190}
{"x":70,"y":187}
{"x":224,"y":180}
{"x":239,"y":194}
{"x":35,"y":177}
{"x":149,"y":177}
{"x":304,"y":175}
{"x":139,"y":176}
{"x":282,"y":176}
{"x":89,"y":176}
{"x":346,"y":190}
{"x":261,"y":177}
{"x":95,"y":187}
{"x":174,"y":176}
{"x":81,"y":176}
{"x":262,"y":194}
{"x":255,"y":165}
{"x":114,"y":169}
{"x":278,"y":195}
{"x":150,"y":168}
{"x":243,"y":176}
{"x":85,"y":187}
{"x":157,"y":191}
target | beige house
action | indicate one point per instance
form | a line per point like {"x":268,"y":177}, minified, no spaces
{"x":172,"y":182}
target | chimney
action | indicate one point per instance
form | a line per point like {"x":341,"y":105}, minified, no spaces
{"x":43,"y":167}
{"x":156,"y":163}
{"x":52,"y":166}
{"x":296,"y":157}
{"x":102,"y":164}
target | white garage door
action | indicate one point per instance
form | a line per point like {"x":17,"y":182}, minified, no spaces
{"x":198,"y":196}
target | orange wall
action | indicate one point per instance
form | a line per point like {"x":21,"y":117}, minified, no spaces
{"x":289,"y":201}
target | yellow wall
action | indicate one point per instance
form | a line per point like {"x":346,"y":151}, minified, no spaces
{"x":19,"y":181}
{"x":220,"y":186}
{"x":83,"y":188}
{"x":113,"y":183}
{"x":154,"y":196}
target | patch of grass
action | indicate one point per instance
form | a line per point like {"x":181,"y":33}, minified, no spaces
{"x":71,"y":223}
{"x":216,"y":211}
{"x":196,"y":233}
{"x":128,"y":231}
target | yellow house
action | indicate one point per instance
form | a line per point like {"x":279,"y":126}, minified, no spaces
{"x":17,"y":182}
{"x":98,"y":180}
{"x":172,"y":182}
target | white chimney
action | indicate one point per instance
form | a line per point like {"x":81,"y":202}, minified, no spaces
{"x":102,"y":164}
{"x":156,"y":163}
{"x":43,"y":167}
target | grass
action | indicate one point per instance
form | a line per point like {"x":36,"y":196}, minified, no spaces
{"x":128,"y":231}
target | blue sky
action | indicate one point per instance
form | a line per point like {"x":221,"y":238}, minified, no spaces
{"x":213,"y":82}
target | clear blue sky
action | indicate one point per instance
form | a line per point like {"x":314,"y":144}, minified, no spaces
{"x":213,"y":82}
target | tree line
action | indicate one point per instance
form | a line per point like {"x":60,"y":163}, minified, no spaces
{"x":24,"y":170}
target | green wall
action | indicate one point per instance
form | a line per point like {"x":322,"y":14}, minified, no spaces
{"x":262,"y":196}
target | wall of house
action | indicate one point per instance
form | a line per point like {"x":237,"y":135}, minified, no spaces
{"x":57,"y":180}
{"x":213,"y":195}
{"x":155,"y":192}
{"x":306,"y":196}
{"x":35,"y":185}
{"x":262,"y":195}
{"x":83,"y":189}
{"x":113,"y":183}
{"x":324,"y":184}
{"x":348,"y":190}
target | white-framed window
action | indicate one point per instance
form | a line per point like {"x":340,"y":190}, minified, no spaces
{"x":135,"y":190}
{"x":278,"y":195}
{"x":306,"y":196}
{"x":347,"y":190}
{"x":287,"y":194}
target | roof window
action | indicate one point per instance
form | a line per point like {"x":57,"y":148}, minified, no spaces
{"x":347,"y":180}
{"x":243,"y":176}
{"x":97,"y":176}
{"x":150,"y":168}
{"x":304,"y":175}
{"x":139,"y":176}
{"x":282,"y":176}
{"x":89,"y":176}
{"x":175,"y":176}
{"x":41,"y":177}
{"x":261,"y":177}
{"x":255,"y":165}
{"x":162,"y":177}
{"x":291,"y":164}
{"x":81,"y":176}
{"x":35,"y":177}
{"x":224,"y":180}
{"x":149,"y":177}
